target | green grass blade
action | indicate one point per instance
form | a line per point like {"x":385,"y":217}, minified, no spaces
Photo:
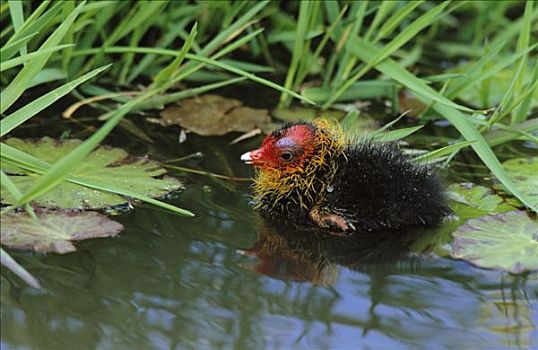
{"x":237,"y":44}
{"x":90,"y":34}
{"x":482,"y":149}
{"x":22,"y":159}
{"x":247,"y":75}
{"x":524,"y":39}
{"x":20,"y":116}
{"x":395,"y":135}
{"x":233,"y":29}
{"x":305,"y":8}
{"x":128,"y":59}
{"x":30,"y":56}
{"x":17,"y":86}
{"x":522,"y":44}
{"x":364,"y":89}
{"x":17,"y":18}
{"x":7,"y":51}
{"x":499,"y":136}
{"x":383,"y":10}
{"x":47,"y":75}
{"x":367,"y":52}
{"x":161,"y":100}
{"x":527,"y":96}
{"x":394,"y":21}
{"x":435,"y":154}
{"x":169,"y":72}
{"x":125,"y":192}
{"x":14,"y":191}
{"x":9,"y":185}
{"x":328,"y":33}
{"x":347,"y":60}
{"x":164,"y":41}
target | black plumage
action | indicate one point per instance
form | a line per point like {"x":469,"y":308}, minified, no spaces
{"x":377,"y":188}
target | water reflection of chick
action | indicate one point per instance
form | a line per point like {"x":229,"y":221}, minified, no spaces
{"x":309,"y":255}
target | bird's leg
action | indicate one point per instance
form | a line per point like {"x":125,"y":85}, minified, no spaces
{"x":325,"y":219}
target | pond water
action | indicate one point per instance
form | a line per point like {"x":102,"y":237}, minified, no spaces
{"x":225,"y":280}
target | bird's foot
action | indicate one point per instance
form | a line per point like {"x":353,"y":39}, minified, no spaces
{"x":331,"y":221}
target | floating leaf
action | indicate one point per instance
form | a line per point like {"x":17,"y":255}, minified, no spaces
{"x":524,"y":172}
{"x":507,"y":241}
{"x":213,"y":115}
{"x":105,"y":165}
{"x":467,"y":201}
{"x":478,"y":200}
{"x":54,"y":231}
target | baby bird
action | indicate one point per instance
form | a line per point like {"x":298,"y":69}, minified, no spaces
{"x":311,"y":175}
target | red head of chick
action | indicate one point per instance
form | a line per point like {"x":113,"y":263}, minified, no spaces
{"x":310,"y":174}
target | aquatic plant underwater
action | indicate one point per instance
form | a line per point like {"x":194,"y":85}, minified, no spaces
{"x":455,"y":84}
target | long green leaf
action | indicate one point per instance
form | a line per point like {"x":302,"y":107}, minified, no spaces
{"x":12,"y":92}
{"x":247,"y":75}
{"x":368,"y":52}
{"x":435,"y":154}
{"x":14,"y":191}
{"x":395,"y":135}
{"x":17,"y":18}
{"x":29,"y":56}
{"x":28,"y":111}
{"x":394,"y":21}
{"x":233,"y":29}
{"x":8,"y":50}
{"x":168,"y":73}
{"x":161,"y":100}
{"x":9,"y":185}
{"x":299,"y":42}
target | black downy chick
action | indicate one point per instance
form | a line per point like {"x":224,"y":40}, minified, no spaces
{"x":308,"y":174}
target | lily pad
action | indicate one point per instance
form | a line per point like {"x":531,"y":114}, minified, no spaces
{"x":478,"y":200}
{"x":110,"y":166}
{"x":55,"y":231}
{"x":524,"y":172}
{"x":507,"y":241}
{"x":467,"y":201}
{"x":213,"y":115}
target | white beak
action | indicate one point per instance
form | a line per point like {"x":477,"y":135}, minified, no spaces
{"x":246,"y":158}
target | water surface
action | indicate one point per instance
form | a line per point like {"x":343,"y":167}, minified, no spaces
{"x":223,"y":280}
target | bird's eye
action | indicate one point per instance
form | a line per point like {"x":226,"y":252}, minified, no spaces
{"x":287,"y":156}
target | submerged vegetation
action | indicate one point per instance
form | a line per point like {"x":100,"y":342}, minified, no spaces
{"x":472,"y":64}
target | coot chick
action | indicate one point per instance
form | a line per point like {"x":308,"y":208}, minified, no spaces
{"x":311,"y":174}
